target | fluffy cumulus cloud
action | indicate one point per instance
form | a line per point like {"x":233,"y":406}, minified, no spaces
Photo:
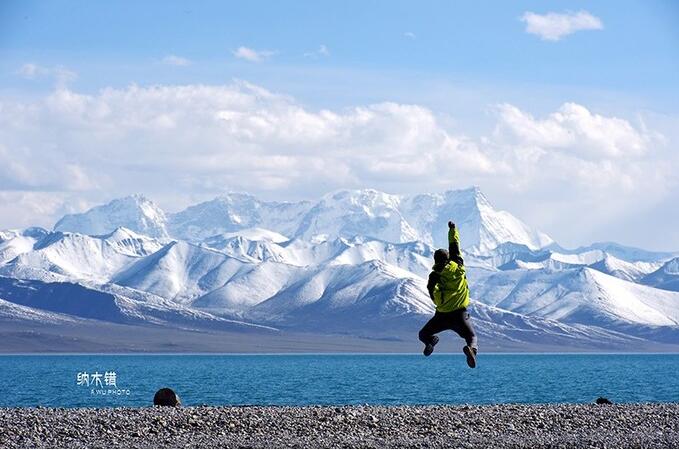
{"x":575,"y":129}
{"x":213,"y":138}
{"x":553,"y":26}
{"x":575,"y":166}
{"x":252,"y":55}
{"x":195,"y":141}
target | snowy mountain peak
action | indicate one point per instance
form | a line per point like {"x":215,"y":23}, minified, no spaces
{"x":127,"y":242}
{"x":666,"y":277}
{"x":134,"y":212}
{"x":362,"y":197}
{"x":625,"y":270}
{"x":473,"y":195}
{"x":16,"y":242}
{"x":349,"y":213}
{"x":234,"y":212}
{"x":482,"y":227}
{"x":30,"y":232}
{"x":121,"y":233}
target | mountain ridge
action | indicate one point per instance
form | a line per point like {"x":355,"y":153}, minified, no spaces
{"x":342,"y":213}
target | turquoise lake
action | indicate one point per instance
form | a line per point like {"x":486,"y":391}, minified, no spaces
{"x":131,"y":380}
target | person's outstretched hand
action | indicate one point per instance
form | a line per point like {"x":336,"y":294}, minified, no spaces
{"x":451,"y":225}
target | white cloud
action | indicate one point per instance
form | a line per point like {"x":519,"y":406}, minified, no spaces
{"x":578,"y":172}
{"x":32,"y":71}
{"x":19,"y":171}
{"x":38,"y":208}
{"x":171,"y":142}
{"x":322,"y":50}
{"x":574,"y":128}
{"x":174,"y":60}
{"x":252,"y":55}
{"x":409,"y":35}
{"x":213,"y":138}
{"x":553,"y":26}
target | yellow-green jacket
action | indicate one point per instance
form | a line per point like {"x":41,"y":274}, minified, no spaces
{"x":447,"y":284}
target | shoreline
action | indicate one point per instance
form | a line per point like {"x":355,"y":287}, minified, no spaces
{"x":629,"y":425}
{"x":338,"y":353}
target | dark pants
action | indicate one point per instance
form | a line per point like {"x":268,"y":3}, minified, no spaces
{"x":457,"y":320}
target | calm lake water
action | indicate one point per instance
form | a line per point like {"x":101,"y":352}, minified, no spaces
{"x":62,"y":380}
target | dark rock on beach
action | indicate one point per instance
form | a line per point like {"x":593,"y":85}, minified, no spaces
{"x":494,"y":426}
{"x":166,"y":397}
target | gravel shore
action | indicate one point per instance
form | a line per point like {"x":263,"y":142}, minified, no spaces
{"x":504,"y":426}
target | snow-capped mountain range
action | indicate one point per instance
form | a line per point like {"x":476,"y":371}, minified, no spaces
{"x":368,"y":213}
{"x":353,"y":263}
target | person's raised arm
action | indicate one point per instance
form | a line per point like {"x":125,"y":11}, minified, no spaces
{"x":454,"y":244}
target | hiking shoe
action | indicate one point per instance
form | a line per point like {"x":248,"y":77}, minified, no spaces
{"x":429,"y":348}
{"x":470,"y":353}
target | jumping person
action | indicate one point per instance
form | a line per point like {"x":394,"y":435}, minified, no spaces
{"x":448,"y":290}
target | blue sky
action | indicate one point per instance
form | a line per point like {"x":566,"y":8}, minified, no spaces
{"x":480,"y":81}
{"x":115,"y":43}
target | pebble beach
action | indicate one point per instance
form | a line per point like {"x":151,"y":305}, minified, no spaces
{"x":494,"y":426}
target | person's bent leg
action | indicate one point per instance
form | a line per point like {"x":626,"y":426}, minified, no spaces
{"x":428,"y":333}
{"x":462,"y":325}
{"x":430,"y":329}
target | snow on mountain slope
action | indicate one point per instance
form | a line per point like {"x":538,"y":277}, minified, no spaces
{"x":249,"y":288}
{"x":65,"y":298}
{"x":346,"y":297}
{"x":624,"y":270}
{"x":136,"y":213}
{"x":181,"y":271}
{"x":505,"y":329}
{"x":368,"y":213}
{"x":510,"y":256}
{"x":666,"y":277}
{"x":250,"y":250}
{"x":629,"y":254}
{"x":234,"y":212}
{"x":595,"y":259}
{"x":15,"y":242}
{"x":76,"y":301}
{"x":380,"y":300}
{"x":127,"y":242}
{"x":414,"y":257}
{"x":251,"y":234}
{"x":482,"y":228}
{"x":581,"y":295}
{"x":73,"y":256}
{"x":19,"y":313}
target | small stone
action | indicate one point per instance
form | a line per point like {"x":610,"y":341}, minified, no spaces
{"x":603,"y":401}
